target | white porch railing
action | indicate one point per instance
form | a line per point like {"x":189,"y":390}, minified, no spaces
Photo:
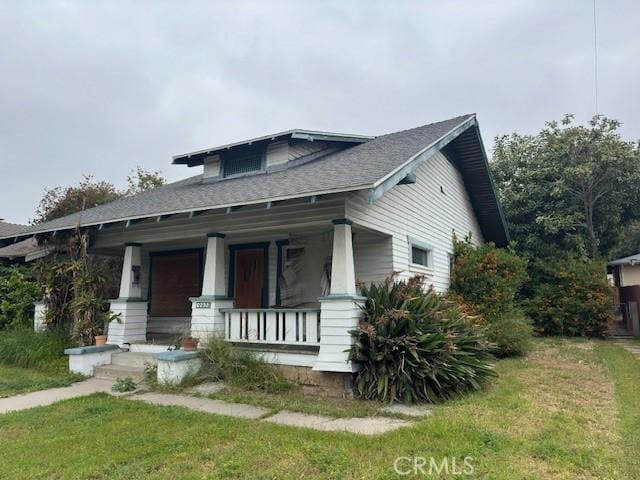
{"x":289,"y":326}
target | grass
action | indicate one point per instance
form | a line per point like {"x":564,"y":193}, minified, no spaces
{"x":568,"y":410}
{"x":16,"y":380}
{"x":625,"y":370}
{"x":296,"y":401}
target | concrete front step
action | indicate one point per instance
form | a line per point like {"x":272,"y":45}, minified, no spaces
{"x":147,"y":348}
{"x":130,"y":359}
{"x":113,"y":372}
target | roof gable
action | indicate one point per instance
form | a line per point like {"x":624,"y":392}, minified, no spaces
{"x":376,"y":165}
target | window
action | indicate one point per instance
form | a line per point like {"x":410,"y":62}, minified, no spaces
{"x":420,"y":256}
{"x":421,"y":253}
{"x":244,"y":161}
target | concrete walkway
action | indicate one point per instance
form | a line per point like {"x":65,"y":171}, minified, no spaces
{"x":199,"y":404}
{"x":629,"y":345}
{"x":53,"y":395}
{"x":363,"y":426}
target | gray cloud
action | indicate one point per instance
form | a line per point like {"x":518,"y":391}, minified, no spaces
{"x":88,"y":87}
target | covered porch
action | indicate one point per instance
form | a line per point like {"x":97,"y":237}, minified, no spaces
{"x":288,"y":292}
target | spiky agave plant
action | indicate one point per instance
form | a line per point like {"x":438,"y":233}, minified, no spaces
{"x":413,"y":346}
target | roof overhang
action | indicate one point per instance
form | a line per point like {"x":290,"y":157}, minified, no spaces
{"x":631,"y":260}
{"x":464,"y":145}
{"x":197,"y":158}
{"x":192,"y":212}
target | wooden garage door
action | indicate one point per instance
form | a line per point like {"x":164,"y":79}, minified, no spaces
{"x":175,"y":276}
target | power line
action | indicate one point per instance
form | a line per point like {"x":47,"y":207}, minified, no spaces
{"x":595,"y":55}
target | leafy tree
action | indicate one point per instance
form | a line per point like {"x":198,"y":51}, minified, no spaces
{"x":60,"y":201}
{"x":569,"y":187}
{"x":142,"y":180}
{"x":629,"y":240}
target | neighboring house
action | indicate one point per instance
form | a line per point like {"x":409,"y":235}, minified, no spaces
{"x":21,"y":251}
{"x":626,"y":278}
{"x":264,"y":245}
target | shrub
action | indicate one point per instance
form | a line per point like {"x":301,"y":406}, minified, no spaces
{"x":23,"y":347}
{"x":488,"y":278}
{"x":570,"y":296}
{"x":509,"y":334}
{"x":414,"y":346}
{"x":221,"y":361}
{"x":17,"y":294}
{"x":486,"y":281}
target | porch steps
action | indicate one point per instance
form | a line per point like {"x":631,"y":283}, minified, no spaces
{"x":132,"y":359}
{"x":148,"y":348}
{"x":113,"y":372}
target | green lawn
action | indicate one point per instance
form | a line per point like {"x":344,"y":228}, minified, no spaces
{"x":569,"y":410}
{"x":15,"y":380}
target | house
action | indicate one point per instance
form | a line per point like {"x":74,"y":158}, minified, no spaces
{"x":265,"y":243}
{"x":626,"y":278}
{"x":22,"y":251}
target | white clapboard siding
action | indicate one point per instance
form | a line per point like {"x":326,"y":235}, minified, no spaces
{"x":422,"y":211}
{"x":301,"y":149}
{"x":372,"y":256}
{"x":279,"y":153}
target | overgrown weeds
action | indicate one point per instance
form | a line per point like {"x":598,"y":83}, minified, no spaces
{"x":22,"y":347}
{"x":222,"y":361}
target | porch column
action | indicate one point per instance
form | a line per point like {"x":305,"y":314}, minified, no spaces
{"x":131,"y":309}
{"x":206,"y":319}
{"x":339,"y":311}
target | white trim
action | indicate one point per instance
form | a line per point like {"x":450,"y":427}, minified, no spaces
{"x":471,"y":121}
{"x":412,"y":243}
{"x":192,"y":209}
{"x":295,"y":133}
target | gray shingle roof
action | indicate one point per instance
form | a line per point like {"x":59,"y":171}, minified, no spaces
{"x":630,"y":260}
{"x":358,"y":167}
{"x":21,"y":249}
{"x":7,"y":229}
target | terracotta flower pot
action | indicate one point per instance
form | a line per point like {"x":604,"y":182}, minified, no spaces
{"x":190,"y":344}
{"x":100,"y":340}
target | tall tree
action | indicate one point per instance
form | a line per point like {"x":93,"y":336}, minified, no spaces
{"x":141,"y":180}
{"x":568,"y":187}
{"x":61,"y":201}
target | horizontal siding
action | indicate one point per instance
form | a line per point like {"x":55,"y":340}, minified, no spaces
{"x":279,"y":153}
{"x":423,"y":211}
{"x":372,"y":256}
{"x":301,"y":149}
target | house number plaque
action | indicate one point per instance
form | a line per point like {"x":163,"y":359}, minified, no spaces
{"x":203,"y":304}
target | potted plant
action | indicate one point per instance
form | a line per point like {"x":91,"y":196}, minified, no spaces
{"x":100,"y":337}
{"x":100,"y":331}
{"x":190,"y":344}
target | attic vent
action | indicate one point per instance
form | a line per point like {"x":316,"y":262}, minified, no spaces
{"x":244,"y":163}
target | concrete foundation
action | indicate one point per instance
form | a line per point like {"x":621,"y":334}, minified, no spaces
{"x":327,"y":384}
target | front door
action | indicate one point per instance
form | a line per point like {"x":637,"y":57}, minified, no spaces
{"x":249,"y":278}
{"x":175,"y":277}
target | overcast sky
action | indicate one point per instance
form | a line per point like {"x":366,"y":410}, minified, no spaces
{"x":100,"y":87}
